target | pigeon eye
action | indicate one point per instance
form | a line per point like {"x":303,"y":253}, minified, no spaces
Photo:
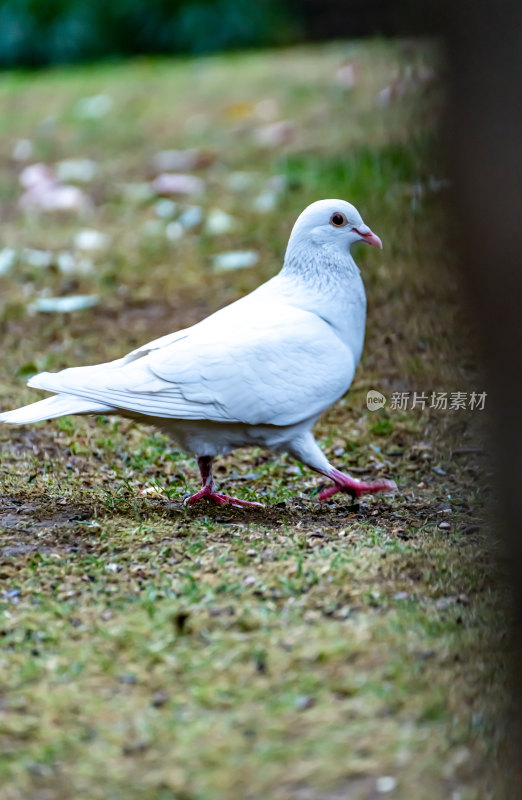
{"x":338,"y":220}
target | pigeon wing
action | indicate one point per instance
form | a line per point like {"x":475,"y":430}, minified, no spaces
{"x":251,"y":371}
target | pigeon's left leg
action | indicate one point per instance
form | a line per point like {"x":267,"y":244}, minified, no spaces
{"x":207,"y":488}
{"x":306,"y":449}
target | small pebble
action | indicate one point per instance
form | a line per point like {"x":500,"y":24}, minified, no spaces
{"x":304,"y":701}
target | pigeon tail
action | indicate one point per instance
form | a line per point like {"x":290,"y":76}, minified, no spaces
{"x":59,"y":405}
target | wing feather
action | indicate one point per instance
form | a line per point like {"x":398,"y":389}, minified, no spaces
{"x":279,"y":367}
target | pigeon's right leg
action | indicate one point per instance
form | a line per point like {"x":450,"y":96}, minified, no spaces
{"x":207,"y":489}
{"x":306,"y":449}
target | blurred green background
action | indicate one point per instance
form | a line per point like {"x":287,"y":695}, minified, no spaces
{"x":35,"y":33}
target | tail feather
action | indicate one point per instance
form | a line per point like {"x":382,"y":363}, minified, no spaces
{"x":57,"y":406}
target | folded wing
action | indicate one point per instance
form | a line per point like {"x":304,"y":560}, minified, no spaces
{"x":278,"y":368}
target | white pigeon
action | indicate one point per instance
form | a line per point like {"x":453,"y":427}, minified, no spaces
{"x":260,"y":371}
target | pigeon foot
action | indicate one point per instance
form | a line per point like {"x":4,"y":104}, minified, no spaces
{"x":220,"y":499}
{"x":354,"y":487}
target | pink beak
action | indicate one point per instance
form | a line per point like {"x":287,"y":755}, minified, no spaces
{"x":368,"y":236}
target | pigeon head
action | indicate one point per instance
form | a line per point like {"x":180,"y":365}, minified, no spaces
{"x":332,"y":223}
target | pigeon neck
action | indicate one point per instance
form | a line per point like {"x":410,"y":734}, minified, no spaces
{"x":322,"y":266}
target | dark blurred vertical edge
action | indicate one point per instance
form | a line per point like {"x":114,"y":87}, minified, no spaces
{"x":482,"y":138}
{"x":483,"y":132}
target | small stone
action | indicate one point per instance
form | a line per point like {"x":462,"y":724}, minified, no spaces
{"x":128,"y":678}
{"x":250,"y":580}
{"x":304,"y":701}
{"x":159,"y":698}
{"x":444,"y":525}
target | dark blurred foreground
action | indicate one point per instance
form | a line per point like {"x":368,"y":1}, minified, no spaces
{"x":485,"y":130}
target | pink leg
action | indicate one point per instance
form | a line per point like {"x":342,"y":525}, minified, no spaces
{"x":345,"y":483}
{"x":207,"y":489}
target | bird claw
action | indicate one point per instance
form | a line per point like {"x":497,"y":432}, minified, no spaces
{"x":220,"y":499}
{"x":355,"y":488}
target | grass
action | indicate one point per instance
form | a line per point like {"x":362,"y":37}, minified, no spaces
{"x":301,"y":653}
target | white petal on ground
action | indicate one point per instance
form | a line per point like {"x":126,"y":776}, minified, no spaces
{"x":345,"y":76}
{"x":165,"y":209}
{"x":219,"y":222}
{"x":174,"y":183}
{"x":90,"y":239}
{"x":22,"y":150}
{"x":94,"y":107}
{"x":277,"y":183}
{"x":182,"y":160}
{"x":137,"y":192}
{"x":174,"y":231}
{"x":265,"y":202}
{"x":242,"y":181}
{"x":275,"y":134}
{"x":7,"y":260}
{"x":37,"y":258}
{"x":35,"y":174}
{"x":63,"y":305}
{"x":45,"y":193}
{"x":267,"y":109}
{"x":234,"y":259}
{"x":70,"y":264}
{"x":77,"y":170}
{"x":386,"y":784}
{"x":153,"y":227}
{"x":191,"y":217}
